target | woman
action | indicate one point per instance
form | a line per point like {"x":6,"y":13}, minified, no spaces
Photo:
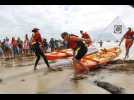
{"x":129,"y":37}
{"x":79,"y":50}
{"x":26,"y":45}
{"x":37,"y":46}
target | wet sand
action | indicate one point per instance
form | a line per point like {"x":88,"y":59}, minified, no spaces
{"x":17,"y":76}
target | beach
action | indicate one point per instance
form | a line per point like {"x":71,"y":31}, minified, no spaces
{"x":18,"y":77}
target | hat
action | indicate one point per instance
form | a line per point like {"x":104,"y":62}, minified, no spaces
{"x":35,"y":29}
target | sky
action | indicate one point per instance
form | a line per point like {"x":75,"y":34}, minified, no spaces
{"x":52,"y":20}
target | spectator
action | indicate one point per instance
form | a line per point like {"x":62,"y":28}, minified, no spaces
{"x":14,"y":47}
{"x":7,"y":49}
{"x":52,"y":44}
{"x":45,"y":45}
{"x":26,"y":45}
{"x":1,"y":50}
{"x":20,"y":45}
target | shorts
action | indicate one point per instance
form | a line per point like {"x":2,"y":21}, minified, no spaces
{"x":7,"y":48}
{"x":128,"y":43}
{"x":81,"y":52}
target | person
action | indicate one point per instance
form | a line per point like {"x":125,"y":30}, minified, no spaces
{"x":85,"y":35}
{"x":1,"y":51}
{"x":37,"y":46}
{"x":7,"y":49}
{"x":14,"y":47}
{"x":65,"y":44}
{"x":26,"y":45}
{"x":56,"y":44}
{"x":101,"y":43}
{"x":52,"y":44}
{"x":31,"y":47}
{"x":79,"y":50}
{"x":45,"y":45}
{"x":129,"y":37}
{"x":20,"y":45}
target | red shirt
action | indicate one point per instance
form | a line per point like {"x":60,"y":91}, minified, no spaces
{"x":85,"y":35}
{"x":73,"y":40}
{"x":129,"y":35}
{"x":37,"y":38}
{"x":73,"y":35}
{"x":14,"y":43}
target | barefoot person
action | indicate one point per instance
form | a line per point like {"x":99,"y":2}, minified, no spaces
{"x":37,"y":46}
{"x":78,"y":46}
{"x":129,"y":37}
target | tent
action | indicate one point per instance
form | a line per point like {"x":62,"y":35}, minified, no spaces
{"x":114,"y":31}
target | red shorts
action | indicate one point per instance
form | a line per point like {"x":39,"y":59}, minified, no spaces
{"x":128,"y":43}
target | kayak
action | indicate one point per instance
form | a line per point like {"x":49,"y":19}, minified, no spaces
{"x":66,"y":53}
{"x":102,"y":57}
{"x":59,"y":54}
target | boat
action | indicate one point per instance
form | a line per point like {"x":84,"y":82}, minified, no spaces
{"x":59,"y":54}
{"x":104,"y":56}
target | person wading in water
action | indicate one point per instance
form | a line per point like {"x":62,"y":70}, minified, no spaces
{"x":129,"y":38}
{"x":37,"y":46}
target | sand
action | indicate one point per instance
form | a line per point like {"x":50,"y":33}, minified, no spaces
{"x":18,"y":77}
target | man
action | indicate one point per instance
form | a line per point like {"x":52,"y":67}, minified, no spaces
{"x":14,"y":46}
{"x":45,"y":45}
{"x":37,"y":44}
{"x":52,"y":44}
{"x":20,"y":45}
{"x":129,"y":37}
{"x":85,"y":35}
{"x":101,"y":43}
{"x":79,"y":50}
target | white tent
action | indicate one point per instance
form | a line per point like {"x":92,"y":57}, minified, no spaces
{"x":114,"y":31}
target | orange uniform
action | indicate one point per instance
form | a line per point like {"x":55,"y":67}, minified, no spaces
{"x":129,"y":39}
{"x":73,"y":42}
{"x":86,"y":36}
{"x":37,"y":38}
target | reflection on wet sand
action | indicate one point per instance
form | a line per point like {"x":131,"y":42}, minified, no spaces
{"x":18,"y":62}
{"x":18,"y":77}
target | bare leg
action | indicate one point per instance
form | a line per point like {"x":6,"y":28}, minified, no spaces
{"x":37,"y":60}
{"x":127,"y":53}
{"x":76,"y":73}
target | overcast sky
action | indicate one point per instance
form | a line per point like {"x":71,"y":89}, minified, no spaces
{"x":54,"y":19}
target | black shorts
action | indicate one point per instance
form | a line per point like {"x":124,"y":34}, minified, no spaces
{"x":81,"y":52}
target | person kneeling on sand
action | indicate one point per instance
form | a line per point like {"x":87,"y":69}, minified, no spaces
{"x":79,"y":50}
